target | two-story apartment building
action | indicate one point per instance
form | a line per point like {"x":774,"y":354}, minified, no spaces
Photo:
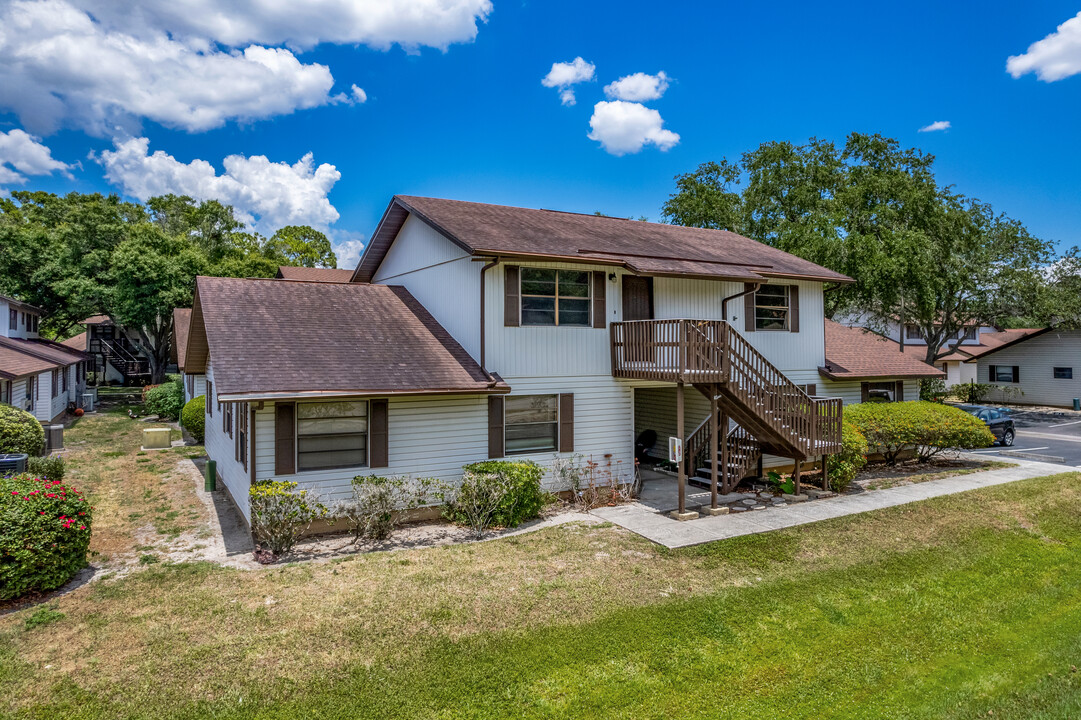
{"x":38,"y":375}
{"x":472,"y":331}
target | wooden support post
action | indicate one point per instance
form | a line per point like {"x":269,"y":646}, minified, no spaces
{"x":795,"y":475}
{"x":825,"y":474}
{"x":681,"y":475}
{"x":728,"y":481}
{"x":714,"y":448}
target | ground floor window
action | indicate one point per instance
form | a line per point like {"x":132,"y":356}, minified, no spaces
{"x":1004,"y":373}
{"x":31,"y":393}
{"x":531,"y":424}
{"x":332,"y":435}
{"x":1064,"y":373}
{"x":5,"y":392}
{"x":881,"y":392}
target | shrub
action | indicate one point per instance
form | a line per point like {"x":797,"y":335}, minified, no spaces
{"x":842,"y":467}
{"x":592,"y":484}
{"x":280,"y":514}
{"x":20,"y":432}
{"x":496,"y":492}
{"x":51,"y":467}
{"x":946,"y":428}
{"x":378,"y":504}
{"x":193,"y":417}
{"x":44,"y":534}
{"x":923,"y":427}
{"x":165,"y":400}
{"x":971,"y":392}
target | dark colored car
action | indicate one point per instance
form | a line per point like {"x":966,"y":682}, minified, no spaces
{"x":999,"y":423}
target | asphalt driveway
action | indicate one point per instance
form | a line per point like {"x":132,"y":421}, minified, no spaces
{"x":1045,"y":436}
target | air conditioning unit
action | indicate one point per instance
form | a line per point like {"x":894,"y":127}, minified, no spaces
{"x":12,"y":463}
{"x":88,"y":401}
{"x":54,"y":438}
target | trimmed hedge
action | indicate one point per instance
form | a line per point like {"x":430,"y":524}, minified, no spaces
{"x":843,"y":466}
{"x":51,"y":467}
{"x":20,"y":432}
{"x":193,"y":417}
{"x":165,"y":400}
{"x":44,"y":534}
{"x":523,"y":499}
{"x":923,"y":427}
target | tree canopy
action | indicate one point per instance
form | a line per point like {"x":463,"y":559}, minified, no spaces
{"x":874,"y":211}
{"x":86,"y":254}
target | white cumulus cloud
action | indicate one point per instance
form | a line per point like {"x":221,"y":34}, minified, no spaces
{"x":348,"y":246}
{"x":936,"y":126}
{"x":359,"y":95}
{"x":623,"y":127}
{"x":235,"y":23}
{"x":565,"y":74}
{"x":265,"y":194}
{"x":63,"y":67}
{"x":1055,"y":57}
{"x":638,"y":87}
{"x":22,"y":154}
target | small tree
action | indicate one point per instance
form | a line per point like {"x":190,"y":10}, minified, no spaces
{"x":20,"y":432}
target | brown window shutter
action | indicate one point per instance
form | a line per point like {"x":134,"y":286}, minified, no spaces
{"x":251,"y":443}
{"x":236,"y":438}
{"x":865,"y":392}
{"x":748,"y":308}
{"x":899,"y":391}
{"x":285,"y":456}
{"x":566,"y":422}
{"x":600,"y":312}
{"x":990,"y":373}
{"x":511,"y":297}
{"x":793,"y":308}
{"x":1016,"y":374}
{"x":378,"y":435}
{"x":495,"y":427}
{"x":209,"y":401}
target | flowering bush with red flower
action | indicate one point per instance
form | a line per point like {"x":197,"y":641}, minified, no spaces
{"x":44,"y":534}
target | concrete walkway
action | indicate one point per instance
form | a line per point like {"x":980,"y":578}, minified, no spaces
{"x":662,"y":529}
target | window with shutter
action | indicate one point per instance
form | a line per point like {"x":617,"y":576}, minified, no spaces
{"x":495,"y":427}
{"x":284,"y":439}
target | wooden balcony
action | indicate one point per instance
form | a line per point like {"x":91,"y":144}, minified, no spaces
{"x":711,"y":355}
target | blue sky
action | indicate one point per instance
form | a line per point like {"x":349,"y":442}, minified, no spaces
{"x":472,"y":120}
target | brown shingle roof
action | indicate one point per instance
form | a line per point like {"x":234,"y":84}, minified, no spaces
{"x":992,"y":341}
{"x":270,"y":338}
{"x":854,"y":353}
{"x":77,"y":342}
{"x":643,"y":247}
{"x":289,"y":272}
{"x":98,"y":320}
{"x":53,"y":352}
{"x":179,"y":346}
{"x":15,"y":363}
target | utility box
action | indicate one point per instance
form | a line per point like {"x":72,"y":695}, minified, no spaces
{"x":54,"y":438}
{"x":156,"y":439}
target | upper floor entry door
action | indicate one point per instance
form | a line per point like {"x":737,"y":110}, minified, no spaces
{"x":637,"y":298}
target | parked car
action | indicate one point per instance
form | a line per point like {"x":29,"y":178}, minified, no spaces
{"x":998,"y":422}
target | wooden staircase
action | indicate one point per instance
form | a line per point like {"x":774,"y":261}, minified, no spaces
{"x":773,"y":414}
{"x":123,"y":360}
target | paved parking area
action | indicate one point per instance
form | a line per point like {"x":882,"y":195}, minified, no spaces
{"x":1043,"y":436}
{"x":664,"y":530}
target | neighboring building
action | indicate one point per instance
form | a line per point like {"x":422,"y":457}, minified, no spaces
{"x":1040,"y":367}
{"x":194,"y":383}
{"x":474,"y":331}
{"x":45,"y":378}
{"x":292,"y":272}
{"x":958,"y":364}
{"x":114,"y":357}
{"x":862,"y":365}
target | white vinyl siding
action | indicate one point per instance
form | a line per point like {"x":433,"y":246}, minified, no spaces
{"x":1036,"y":360}
{"x":221,"y":448}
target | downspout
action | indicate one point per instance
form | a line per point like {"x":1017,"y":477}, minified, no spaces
{"x":724,"y":303}
{"x":484,"y":269}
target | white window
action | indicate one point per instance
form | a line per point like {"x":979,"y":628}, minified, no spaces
{"x":771,"y":306}
{"x":555,"y":297}
{"x":969,"y":333}
{"x":531,"y":424}
{"x":332,"y":435}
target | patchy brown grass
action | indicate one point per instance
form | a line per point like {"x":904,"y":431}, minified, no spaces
{"x":880,"y":477}
{"x":139,"y":497}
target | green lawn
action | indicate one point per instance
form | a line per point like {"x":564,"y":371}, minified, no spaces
{"x":958,"y":607}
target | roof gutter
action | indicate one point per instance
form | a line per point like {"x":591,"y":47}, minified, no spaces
{"x":484,"y":269}
{"x":328,"y":394}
